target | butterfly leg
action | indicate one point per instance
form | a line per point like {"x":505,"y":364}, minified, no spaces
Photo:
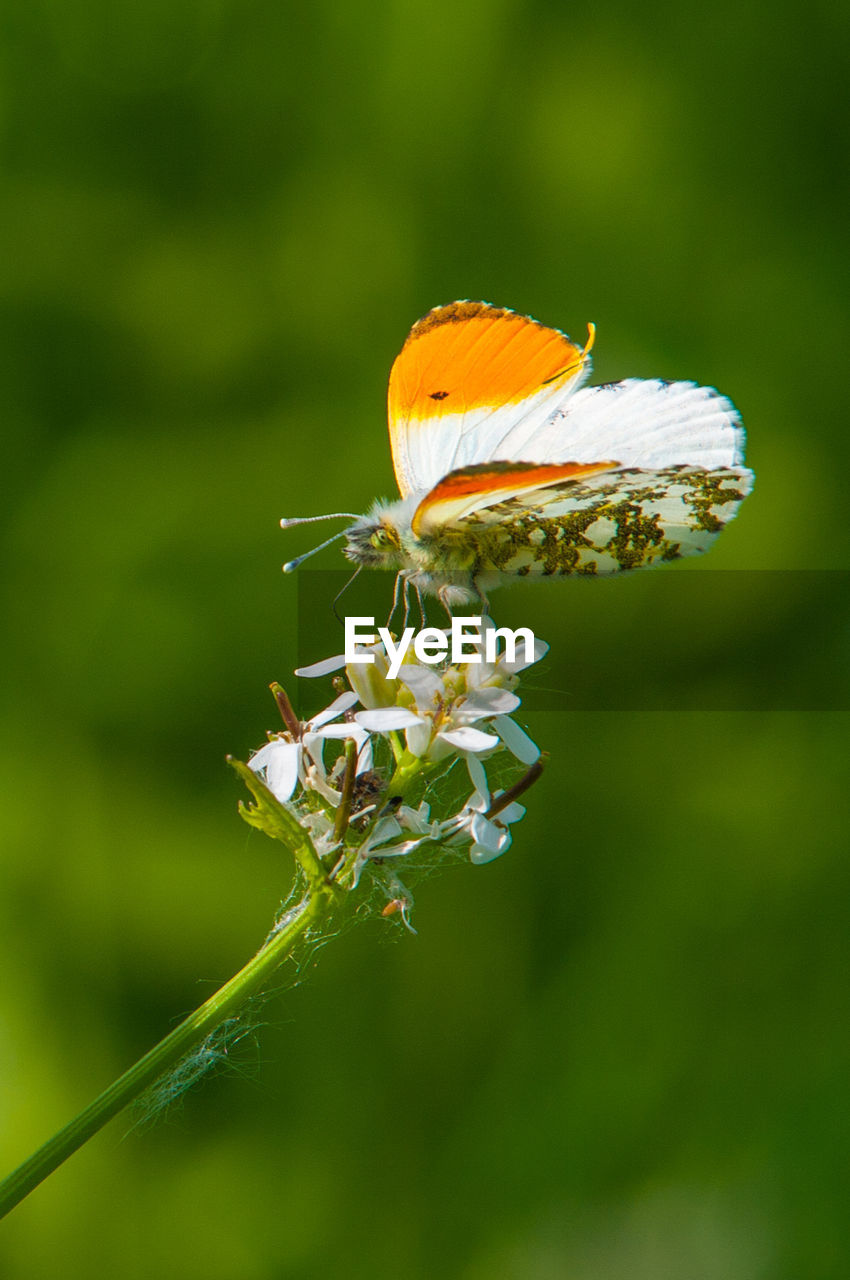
{"x":475,"y":594}
{"x":422,"y":615}
{"x":401,"y":593}
{"x":444,"y":595}
{"x":406,"y":592}
{"x":482,"y":596}
{"x":396,"y":596}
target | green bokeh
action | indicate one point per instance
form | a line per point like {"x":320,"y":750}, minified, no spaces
{"x":621,"y":1052}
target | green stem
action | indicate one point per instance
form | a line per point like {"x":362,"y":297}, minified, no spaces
{"x":276,"y":820}
{"x":408,"y":768}
{"x":343,"y":812}
{"x":247,"y":982}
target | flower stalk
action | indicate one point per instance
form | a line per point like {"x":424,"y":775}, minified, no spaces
{"x":341,"y":818}
{"x":182,"y":1040}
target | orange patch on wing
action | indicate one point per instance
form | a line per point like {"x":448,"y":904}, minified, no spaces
{"x":470,"y":355}
{"x":492,"y":481}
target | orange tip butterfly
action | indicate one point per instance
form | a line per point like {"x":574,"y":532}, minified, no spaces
{"x":507,"y":470}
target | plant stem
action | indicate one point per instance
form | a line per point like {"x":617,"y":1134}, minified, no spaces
{"x":248,"y":981}
{"x":318,"y":902}
{"x":343,"y":812}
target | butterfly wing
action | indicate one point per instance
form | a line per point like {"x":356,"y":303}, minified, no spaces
{"x":475,"y":489}
{"x":598,"y":520}
{"x":477,"y":387}
{"x":649,"y":424}
{"x":469,"y":375}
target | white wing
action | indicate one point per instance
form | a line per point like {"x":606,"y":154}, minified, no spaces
{"x":649,"y":424}
{"x":468,"y":376}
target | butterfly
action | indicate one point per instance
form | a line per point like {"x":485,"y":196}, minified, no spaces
{"x":507,"y":469}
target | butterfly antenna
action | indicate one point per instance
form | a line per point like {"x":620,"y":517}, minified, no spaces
{"x":342,"y":592}
{"x":289,"y":522}
{"x":292,"y":565}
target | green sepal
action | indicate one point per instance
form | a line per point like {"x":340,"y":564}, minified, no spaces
{"x":267,"y":814}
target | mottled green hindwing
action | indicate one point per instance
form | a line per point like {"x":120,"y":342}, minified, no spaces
{"x":627,"y":519}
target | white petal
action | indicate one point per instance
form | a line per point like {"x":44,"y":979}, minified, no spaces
{"x":313,"y":741}
{"x":385,"y":829}
{"x":479,"y":673}
{"x":516,"y":740}
{"x":418,"y":738}
{"x":424,"y":684}
{"x":343,"y":729}
{"x":541,"y":648}
{"x":364,"y":755}
{"x":485,"y":832}
{"x":390,"y":851}
{"x":465,"y":738}
{"x":323,"y":668}
{"x":399,"y":850}
{"x":282,"y":773}
{"x":486,"y":702}
{"x":411,"y":820}
{"x":511,"y":813}
{"x":319,"y":824}
{"x":383,"y":719}
{"x":479,"y":854}
{"x":490,"y":839}
{"x":478,"y":777}
{"x":313,"y":745}
{"x":279,"y":761}
{"x":369,"y":680}
{"x":418,"y":820}
{"x":260,"y":759}
{"x":337,"y":707}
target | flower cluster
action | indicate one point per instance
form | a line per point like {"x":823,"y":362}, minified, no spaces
{"x":422,"y":722}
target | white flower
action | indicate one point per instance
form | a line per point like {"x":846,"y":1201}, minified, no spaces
{"x":490,"y":836}
{"x":385,"y":719}
{"x":337,"y":708}
{"x":378,"y":844}
{"x":278,"y":764}
{"x":501,"y":671}
{"x":419,"y":821}
{"x":465,"y":709}
{"x":370,"y":681}
{"x":516,"y":740}
{"x":444,"y":720}
{"x":282,"y":763}
{"x":448,"y":723}
{"x":443,"y":711}
{"x":323,"y":668}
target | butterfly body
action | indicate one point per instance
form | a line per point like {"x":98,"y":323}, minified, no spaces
{"x":507,"y":470}
{"x":631,"y":520}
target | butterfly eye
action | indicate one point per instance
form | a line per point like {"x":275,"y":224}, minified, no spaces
{"x":380,"y":538}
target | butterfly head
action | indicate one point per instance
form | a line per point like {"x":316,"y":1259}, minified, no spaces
{"x":374,"y":542}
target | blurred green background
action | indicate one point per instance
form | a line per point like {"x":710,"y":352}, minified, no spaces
{"x":622,"y":1051}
